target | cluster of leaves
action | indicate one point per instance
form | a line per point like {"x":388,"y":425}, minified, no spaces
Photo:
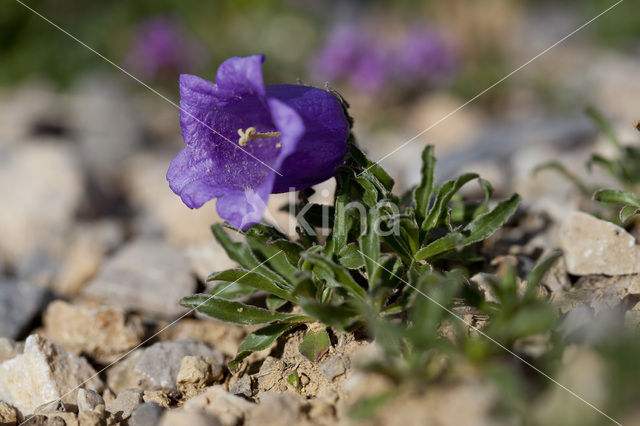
{"x":624,"y":168}
{"x":435,"y":334}
{"x":378,"y":246}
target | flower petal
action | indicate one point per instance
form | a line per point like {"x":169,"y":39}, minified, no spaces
{"x":322,"y":147}
{"x":242,"y":75}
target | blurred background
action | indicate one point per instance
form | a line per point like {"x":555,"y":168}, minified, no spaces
{"x":96,"y":144}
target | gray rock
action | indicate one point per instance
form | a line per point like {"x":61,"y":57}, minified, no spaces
{"x":188,"y":418}
{"x":84,"y":252}
{"x":99,"y":332}
{"x":20,"y":302}
{"x":122,"y":376}
{"x":333,"y":366}
{"x":44,"y":372}
{"x":103,"y":121}
{"x":197,"y":372}
{"x":121,"y":408}
{"x":229,"y":409}
{"x":159,"y":364}
{"x":276,"y":409}
{"x":146,"y":275}
{"x":41,"y":186}
{"x":593,"y":246}
{"x":147,"y":414}
{"x":242,"y":387}
{"x":88,"y":400}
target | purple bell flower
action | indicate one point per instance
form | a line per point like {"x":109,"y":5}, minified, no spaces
{"x":245,"y":141}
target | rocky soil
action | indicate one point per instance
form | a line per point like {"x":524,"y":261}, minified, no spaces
{"x":95,"y":253}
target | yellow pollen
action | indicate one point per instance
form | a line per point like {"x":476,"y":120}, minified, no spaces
{"x":251,"y":133}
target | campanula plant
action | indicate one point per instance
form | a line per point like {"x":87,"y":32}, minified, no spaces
{"x":245,"y":141}
{"x":378,"y":243}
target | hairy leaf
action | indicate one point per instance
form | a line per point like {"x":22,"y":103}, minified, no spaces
{"x":236,"y":312}
{"x":315,"y":344}
{"x":258,"y":340}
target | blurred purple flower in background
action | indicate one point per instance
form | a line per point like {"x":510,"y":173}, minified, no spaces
{"x":299,"y":131}
{"x":352,"y":55}
{"x":368,"y":62}
{"x":423,"y":56}
{"x":162,"y":47}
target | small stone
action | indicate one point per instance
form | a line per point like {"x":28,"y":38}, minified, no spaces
{"x":41,"y":186}
{"x":62,"y":419}
{"x":594,"y":246}
{"x":145,"y":275}
{"x":275,"y":409}
{"x":147,"y":414}
{"x":8,"y":414}
{"x":90,"y":418}
{"x":160,"y":363}
{"x":44,"y":372}
{"x":242,"y":387}
{"x":121,"y":408}
{"x":122,"y":376}
{"x":187,"y":418}
{"x":197,"y":372}
{"x":9,"y":349}
{"x":101,"y":116}
{"x":158,"y":397}
{"x":224,"y":337}
{"x":88,"y":400}
{"x":36,"y":420}
{"x":229,"y":409}
{"x":333,"y":366}
{"x":84,"y":254}
{"x":51,"y":407}
{"x":100,"y":332}
{"x":20,"y":302}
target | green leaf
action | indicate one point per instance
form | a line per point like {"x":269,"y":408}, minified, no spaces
{"x":445,"y":193}
{"x":614,"y":167}
{"x":315,"y":344}
{"x":422,"y":193}
{"x":274,"y":257}
{"x":255,"y":280}
{"x":339,"y":317}
{"x":370,"y":243}
{"x":236,"y":312}
{"x":343,"y":278}
{"x":477,"y":230}
{"x":241,"y":253}
{"x":488,"y":223}
{"x":258,"y":340}
{"x":342,"y":220}
{"x":274,"y":302}
{"x":554,"y":165}
{"x":452,"y":241}
{"x":370,"y":193}
{"x":542,"y":267}
{"x":626,"y":212}
{"x":349,"y":257}
{"x":604,"y":126}
{"x":616,"y":196}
